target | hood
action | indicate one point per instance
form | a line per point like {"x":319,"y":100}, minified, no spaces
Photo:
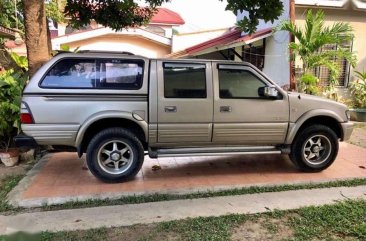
{"x":301,"y":104}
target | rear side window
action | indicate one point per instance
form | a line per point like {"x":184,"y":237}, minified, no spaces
{"x":95,"y":74}
{"x":184,"y":80}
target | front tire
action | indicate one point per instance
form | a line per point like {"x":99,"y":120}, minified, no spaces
{"x":115,"y":155}
{"x":314,"y":149}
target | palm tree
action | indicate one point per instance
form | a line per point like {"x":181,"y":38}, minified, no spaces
{"x":311,"y":39}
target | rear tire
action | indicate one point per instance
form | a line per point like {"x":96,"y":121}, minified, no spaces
{"x":314,"y":149}
{"x":115,"y":155}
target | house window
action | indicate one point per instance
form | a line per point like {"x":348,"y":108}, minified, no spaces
{"x":156,"y":30}
{"x":254,"y":55}
{"x":323,"y":72}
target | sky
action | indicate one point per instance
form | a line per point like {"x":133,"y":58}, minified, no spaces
{"x":202,"y":14}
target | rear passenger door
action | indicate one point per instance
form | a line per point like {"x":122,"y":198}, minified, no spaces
{"x":185,"y":102}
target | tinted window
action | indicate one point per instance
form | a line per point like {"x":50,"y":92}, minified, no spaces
{"x":184,"y":80}
{"x":71,"y":73}
{"x":121,"y":74}
{"x":236,"y":83}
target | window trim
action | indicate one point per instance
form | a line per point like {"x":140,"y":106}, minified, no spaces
{"x":182,"y":65}
{"x":97,"y":87}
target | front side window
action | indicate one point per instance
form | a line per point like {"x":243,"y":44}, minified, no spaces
{"x":237,"y":83}
{"x":71,"y":73}
{"x":184,"y":80}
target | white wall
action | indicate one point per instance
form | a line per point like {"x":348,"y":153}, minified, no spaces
{"x":183,"y":41}
{"x":276,"y":63}
{"x":135,"y":45}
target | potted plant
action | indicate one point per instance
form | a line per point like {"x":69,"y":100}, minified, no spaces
{"x":358,"y":90}
{"x":11,"y":85}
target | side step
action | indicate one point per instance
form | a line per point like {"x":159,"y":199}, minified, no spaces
{"x":213,"y":151}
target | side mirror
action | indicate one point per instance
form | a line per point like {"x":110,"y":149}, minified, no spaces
{"x":269,"y":92}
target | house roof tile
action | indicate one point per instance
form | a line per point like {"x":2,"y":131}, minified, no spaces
{"x":166,"y":16}
{"x":232,"y":37}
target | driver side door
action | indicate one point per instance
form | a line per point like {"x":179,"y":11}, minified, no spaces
{"x":241,"y":116}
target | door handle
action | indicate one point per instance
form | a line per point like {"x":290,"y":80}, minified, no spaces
{"x":225,"y":108}
{"x":170,"y":109}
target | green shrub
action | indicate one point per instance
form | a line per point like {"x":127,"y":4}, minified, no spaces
{"x":358,"y":89}
{"x":11,"y":86}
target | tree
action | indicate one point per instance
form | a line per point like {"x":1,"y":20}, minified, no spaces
{"x":36,"y":37}
{"x":119,"y":14}
{"x":310,"y":40}
{"x":8,"y":19}
{"x":12,"y":17}
{"x":267,"y":10}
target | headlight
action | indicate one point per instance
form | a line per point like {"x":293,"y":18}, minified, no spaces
{"x":348,"y":115}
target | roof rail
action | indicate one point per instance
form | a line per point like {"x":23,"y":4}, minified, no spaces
{"x":92,"y":52}
{"x":104,"y":52}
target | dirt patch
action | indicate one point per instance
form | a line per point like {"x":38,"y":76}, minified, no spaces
{"x":26,"y":162}
{"x":262,"y":229}
{"x":5,"y":172}
{"x":358,"y":137}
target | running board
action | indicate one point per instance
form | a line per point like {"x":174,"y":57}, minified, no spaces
{"x":213,"y":151}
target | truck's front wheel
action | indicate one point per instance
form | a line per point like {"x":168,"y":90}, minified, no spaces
{"x":314,"y":149}
{"x":115,"y":155}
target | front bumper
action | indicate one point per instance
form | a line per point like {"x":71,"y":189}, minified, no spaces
{"x":347,"y":128}
{"x":23,"y":141}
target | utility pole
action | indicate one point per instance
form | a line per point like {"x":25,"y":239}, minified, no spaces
{"x":292,"y":39}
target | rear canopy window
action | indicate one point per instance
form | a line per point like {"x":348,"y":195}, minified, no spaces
{"x":120,"y":75}
{"x":98,"y":74}
{"x":71,"y":73}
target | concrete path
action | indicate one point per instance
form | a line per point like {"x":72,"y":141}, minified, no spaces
{"x":112,"y":216}
{"x":59,"y":177}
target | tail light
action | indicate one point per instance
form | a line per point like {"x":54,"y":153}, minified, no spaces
{"x":25,"y":114}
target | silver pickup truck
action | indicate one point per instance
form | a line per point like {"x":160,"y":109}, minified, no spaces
{"x":118,"y":107}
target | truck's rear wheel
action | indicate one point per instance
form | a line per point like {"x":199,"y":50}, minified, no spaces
{"x":115,"y":155}
{"x":314,"y":149}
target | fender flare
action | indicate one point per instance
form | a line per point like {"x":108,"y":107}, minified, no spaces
{"x":295,"y":126}
{"x":107,"y":115}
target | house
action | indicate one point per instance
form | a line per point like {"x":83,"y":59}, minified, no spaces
{"x":185,"y":40}
{"x":269,"y":51}
{"x":266,"y":49}
{"x":153,"y":40}
{"x":350,"y":11}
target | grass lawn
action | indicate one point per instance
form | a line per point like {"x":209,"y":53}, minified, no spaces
{"x":341,"y":221}
{"x":6,"y":185}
